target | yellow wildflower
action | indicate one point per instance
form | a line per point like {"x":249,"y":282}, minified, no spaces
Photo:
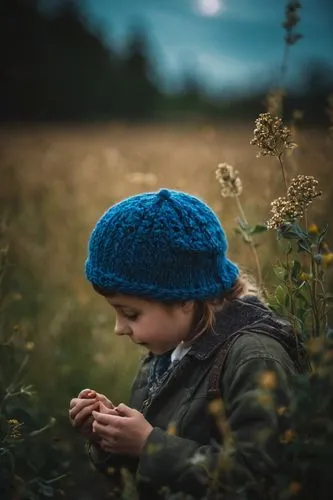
{"x":313,"y":229}
{"x":282,"y":410}
{"x":288,"y":436}
{"x":216,"y":407}
{"x":268,"y":380}
{"x":171,"y":430}
{"x":29,"y":346}
{"x":305,"y":276}
{"x":327,"y":258}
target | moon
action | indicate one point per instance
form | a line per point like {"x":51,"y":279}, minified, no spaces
{"x":210,"y":8}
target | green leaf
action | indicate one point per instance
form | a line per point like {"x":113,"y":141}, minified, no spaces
{"x":303,"y":245}
{"x":257,"y":229}
{"x":279,"y":294}
{"x":302,"y":297}
{"x":287,"y":300}
{"x":291,"y":231}
{"x":279,"y":272}
{"x":295,"y":271}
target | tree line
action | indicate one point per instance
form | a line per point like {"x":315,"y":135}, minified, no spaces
{"x":55,"y":68}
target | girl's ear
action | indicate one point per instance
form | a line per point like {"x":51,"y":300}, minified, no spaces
{"x":188,"y":306}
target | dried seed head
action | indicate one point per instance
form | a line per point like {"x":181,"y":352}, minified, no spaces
{"x":303,"y":190}
{"x":300,"y":194}
{"x":292,"y":18}
{"x":14,"y":428}
{"x":284,"y":210}
{"x":229,"y":179}
{"x":271,"y":136}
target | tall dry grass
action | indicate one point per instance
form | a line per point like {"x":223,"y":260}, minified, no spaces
{"x":59,"y":180}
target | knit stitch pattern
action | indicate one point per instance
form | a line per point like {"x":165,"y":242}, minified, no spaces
{"x":164,"y":245}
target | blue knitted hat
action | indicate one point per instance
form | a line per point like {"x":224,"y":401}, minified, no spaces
{"x":165,"y":245}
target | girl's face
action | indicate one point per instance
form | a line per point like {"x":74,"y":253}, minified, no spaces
{"x":156,"y":326}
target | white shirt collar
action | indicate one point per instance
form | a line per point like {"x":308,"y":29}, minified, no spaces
{"x":179,"y":352}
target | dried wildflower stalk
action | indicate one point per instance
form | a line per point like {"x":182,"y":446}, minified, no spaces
{"x":227,"y":176}
{"x":291,"y":37}
{"x":232,"y":187}
{"x":303,"y":190}
{"x":300,"y":194}
{"x":272,"y":138}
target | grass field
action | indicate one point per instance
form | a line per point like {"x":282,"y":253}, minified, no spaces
{"x":59,"y":179}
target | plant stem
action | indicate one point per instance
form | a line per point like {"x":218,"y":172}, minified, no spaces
{"x":283,"y":172}
{"x":314,"y":298}
{"x":324,"y":314}
{"x":251,"y":243}
{"x":306,"y":219}
{"x":314,"y":274}
{"x":284,"y":64}
{"x":290,"y":288}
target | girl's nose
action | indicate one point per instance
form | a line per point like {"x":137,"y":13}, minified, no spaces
{"x":121,"y":329}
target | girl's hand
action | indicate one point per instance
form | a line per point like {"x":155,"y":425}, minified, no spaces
{"x":91,"y":394}
{"x":80,"y":412}
{"x":122,"y":430}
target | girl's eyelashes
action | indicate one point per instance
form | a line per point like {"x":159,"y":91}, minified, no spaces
{"x":132,"y":316}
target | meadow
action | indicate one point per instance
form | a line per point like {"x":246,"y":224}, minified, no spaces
{"x":57,"y":180}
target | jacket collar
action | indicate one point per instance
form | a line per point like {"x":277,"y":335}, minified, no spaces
{"x":235,"y":316}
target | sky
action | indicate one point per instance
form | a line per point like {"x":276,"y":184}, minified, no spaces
{"x":224,"y":43}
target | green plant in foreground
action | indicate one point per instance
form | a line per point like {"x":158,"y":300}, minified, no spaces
{"x":29,"y":463}
{"x":301,"y":293}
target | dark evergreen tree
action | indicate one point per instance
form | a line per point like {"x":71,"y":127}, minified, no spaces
{"x":140,"y":92}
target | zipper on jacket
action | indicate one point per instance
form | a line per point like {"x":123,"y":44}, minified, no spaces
{"x":165,"y":383}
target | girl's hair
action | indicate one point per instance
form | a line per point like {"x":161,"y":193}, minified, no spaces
{"x":205,"y":310}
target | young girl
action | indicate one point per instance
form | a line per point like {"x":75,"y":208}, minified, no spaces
{"x":160,"y":260}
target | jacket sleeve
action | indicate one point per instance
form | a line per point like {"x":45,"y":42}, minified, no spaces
{"x":254,"y":385}
{"x":107,"y":463}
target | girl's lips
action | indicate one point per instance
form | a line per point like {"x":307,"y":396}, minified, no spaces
{"x":139,"y":343}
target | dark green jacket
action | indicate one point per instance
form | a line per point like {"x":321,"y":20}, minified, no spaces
{"x":192,"y":448}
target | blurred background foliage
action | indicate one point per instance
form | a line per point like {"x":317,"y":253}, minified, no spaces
{"x":82,"y":127}
{"x":60,"y":68}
